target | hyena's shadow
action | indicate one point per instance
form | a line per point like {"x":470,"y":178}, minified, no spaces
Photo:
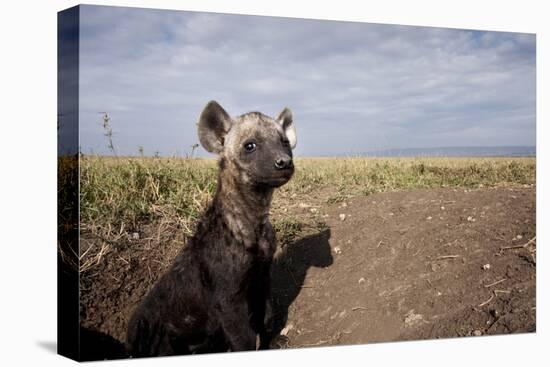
{"x":289,"y":272}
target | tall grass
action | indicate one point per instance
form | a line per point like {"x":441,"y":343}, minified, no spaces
{"x":133,"y":189}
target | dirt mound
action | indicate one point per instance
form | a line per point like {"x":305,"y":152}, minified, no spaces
{"x":392,"y":266}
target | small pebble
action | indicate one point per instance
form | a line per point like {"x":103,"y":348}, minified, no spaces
{"x":429,"y":218}
{"x":477,"y":332}
{"x":135,"y":236}
{"x":337,"y":250}
{"x":361,"y":280}
{"x":342,"y":217}
{"x":486,"y":266}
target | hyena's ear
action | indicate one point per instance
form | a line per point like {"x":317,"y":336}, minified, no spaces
{"x":214,"y":123}
{"x":285,"y":119}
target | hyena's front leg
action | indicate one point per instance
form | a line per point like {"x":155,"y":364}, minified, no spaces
{"x":260,"y":305}
{"x":260,"y":313}
{"x":238,"y":334}
{"x":268,"y":323}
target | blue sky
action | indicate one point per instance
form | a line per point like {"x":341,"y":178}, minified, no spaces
{"x":353,"y":87}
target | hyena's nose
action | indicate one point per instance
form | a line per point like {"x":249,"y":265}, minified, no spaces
{"x":283,"y":162}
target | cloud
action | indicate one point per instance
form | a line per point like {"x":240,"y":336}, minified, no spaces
{"x":353,"y":87}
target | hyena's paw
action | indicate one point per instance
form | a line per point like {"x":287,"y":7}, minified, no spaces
{"x":280,"y":342}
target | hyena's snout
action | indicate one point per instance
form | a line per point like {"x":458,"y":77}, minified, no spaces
{"x":282,"y":171}
{"x":284,"y":163}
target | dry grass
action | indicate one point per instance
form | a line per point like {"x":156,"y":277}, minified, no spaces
{"x":364,"y":176}
{"x":119,"y":196}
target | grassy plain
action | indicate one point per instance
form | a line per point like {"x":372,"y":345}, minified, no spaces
{"x":117,"y":195}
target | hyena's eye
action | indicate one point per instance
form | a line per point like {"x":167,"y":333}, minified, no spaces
{"x":250,"y":146}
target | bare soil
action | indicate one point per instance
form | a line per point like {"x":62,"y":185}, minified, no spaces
{"x":423,"y":264}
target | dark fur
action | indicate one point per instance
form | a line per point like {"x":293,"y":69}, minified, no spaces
{"x":216,"y":295}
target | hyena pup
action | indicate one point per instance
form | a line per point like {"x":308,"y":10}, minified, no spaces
{"x":216,"y":296}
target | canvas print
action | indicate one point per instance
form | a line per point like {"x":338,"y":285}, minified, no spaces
{"x":234,"y":183}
